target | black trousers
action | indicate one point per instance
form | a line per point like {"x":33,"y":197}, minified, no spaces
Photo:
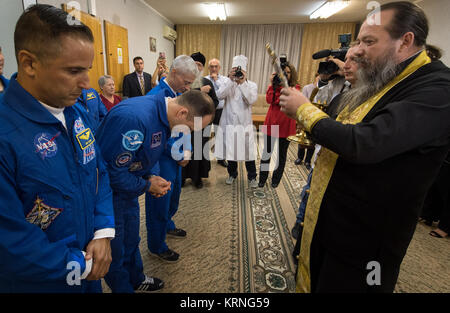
{"x":269,"y":143}
{"x":437,"y":202}
{"x":249,"y":165}
{"x":217,"y":117}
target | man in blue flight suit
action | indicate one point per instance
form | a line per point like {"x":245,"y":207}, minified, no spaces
{"x":91,"y":102}
{"x":57,"y":219}
{"x":132,"y":138}
{"x":159,"y":211}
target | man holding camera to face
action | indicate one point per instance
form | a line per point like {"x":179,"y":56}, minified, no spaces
{"x":235,"y":139}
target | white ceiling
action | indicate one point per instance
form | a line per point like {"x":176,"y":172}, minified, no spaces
{"x":257,"y":11}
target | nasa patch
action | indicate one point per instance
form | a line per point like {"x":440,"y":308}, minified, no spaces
{"x":45,"y":145}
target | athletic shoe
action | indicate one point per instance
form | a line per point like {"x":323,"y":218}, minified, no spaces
{"x":150,"y":284}
{"x":177,"y":233}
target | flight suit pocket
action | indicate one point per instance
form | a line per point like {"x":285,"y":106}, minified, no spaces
{"x":53,"y":214}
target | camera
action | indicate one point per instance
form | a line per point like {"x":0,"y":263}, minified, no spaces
{"x":329,"y":67}
{"x":239,"y":73}
{"x":276,"y":82}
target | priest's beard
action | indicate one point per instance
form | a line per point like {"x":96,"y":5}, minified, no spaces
{"x":371,"y":79}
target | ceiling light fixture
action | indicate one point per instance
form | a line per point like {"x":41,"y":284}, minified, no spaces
{"x":216,"y":11}
{"x":329,"y":8}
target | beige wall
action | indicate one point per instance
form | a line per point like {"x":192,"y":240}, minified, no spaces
{"x":142,"y":23}
{"x":438,"y":13}
{"x":9,"y":14}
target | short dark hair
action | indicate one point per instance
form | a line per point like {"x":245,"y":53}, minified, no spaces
{"x":198,"y":103}
{"x":40,"y":28}
{"x":137,"y":58}
{"x":408,"y":17}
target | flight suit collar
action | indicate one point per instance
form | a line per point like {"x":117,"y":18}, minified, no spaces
{"x":21,"y":101}
{"x":162,"y":109}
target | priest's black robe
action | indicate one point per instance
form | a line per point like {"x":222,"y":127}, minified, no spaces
{"x":385,"y":167}
{"x":198,"y":169}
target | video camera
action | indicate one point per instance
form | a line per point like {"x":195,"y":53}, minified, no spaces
{"x":283,"y":64}
{"x":329,"y":67}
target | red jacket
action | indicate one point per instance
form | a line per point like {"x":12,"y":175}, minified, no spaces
{"x":287,"y":126}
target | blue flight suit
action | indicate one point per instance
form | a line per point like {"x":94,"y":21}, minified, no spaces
{"x":159,"y":211}
{"x":54,"y":195}
{"x":132,"y":138}
{"x":92,"y":103}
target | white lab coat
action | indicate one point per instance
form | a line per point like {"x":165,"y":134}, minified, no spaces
{"x":235,"y":139}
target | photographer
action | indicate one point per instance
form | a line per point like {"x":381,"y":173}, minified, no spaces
{"x":286,"y":126}
{"x":235,"y":138}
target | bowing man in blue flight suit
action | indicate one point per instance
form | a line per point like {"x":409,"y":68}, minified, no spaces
{"x":159,"y":211}
{"x":91,"y":102}
{"x":132,"y":138}
{"x":56,"y":217}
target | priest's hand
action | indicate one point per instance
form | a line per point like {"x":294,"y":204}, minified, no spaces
{"x":206,"y":88}
{"x":290,"y":100}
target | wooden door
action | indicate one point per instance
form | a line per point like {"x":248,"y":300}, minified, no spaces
{"x":94,"y":24}
{"x":117,"y":58}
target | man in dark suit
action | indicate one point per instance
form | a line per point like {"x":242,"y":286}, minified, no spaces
{"x":138,"y":83}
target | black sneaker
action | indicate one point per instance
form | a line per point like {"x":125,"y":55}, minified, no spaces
{"x":169,"y":256}
{"x":298,"y":162}
{"x":150,"y":284}
{"x":177,"y":233}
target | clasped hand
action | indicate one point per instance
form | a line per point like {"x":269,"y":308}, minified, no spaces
{"x":159,"y":186}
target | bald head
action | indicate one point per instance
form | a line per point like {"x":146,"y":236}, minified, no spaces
{"x":214,"y":66}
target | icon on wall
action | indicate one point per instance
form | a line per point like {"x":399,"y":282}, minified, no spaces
{"x":152,"y":44}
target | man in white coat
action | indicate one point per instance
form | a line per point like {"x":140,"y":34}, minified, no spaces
{"x":235,"y":139}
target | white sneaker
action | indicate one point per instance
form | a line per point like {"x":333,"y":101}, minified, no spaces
{"x":230,"y":180}
{"x":253,"y":183}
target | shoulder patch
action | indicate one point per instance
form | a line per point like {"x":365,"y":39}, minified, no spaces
{"x":123,"y":159}
{"x":42,"y":215}
{"x":90,"y":96}
{"x":156,"y":139}
{"x":85,"y":138}
{"x":132,"y":140}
